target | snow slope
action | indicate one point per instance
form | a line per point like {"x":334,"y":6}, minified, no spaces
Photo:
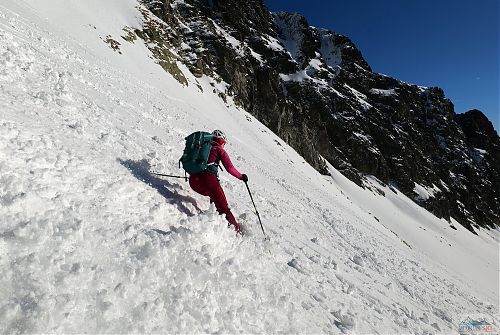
{"x":91,"y":242}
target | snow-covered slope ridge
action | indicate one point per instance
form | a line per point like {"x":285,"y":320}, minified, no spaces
{"x":91,"y":242}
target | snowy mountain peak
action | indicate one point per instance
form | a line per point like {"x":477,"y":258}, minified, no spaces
{"x":293,"y":30}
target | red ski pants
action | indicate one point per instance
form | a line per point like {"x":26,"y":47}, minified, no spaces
{"x":207,"y":184}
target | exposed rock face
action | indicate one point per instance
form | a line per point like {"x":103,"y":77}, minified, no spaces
{"x":314,"y":89}
{"x":483,"y":171}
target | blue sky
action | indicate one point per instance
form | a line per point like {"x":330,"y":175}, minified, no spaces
{"x":450,"y":44}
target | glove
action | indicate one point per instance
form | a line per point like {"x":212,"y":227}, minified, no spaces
{"x":244,"y":177}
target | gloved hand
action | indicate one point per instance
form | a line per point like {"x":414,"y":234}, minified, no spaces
{"x":244,"y":177}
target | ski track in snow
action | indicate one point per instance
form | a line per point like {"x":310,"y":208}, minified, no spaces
{"x":91,"y":242}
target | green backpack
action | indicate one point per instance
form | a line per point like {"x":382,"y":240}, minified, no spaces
{"x":196,"y":152}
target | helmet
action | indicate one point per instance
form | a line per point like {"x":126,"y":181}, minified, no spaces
{"x":219,"y":137}
{"x":219,"y":134}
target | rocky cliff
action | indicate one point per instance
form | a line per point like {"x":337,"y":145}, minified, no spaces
{"x":314,"y":89}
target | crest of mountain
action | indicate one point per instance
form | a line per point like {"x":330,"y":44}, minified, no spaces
{"x":314,"y":89}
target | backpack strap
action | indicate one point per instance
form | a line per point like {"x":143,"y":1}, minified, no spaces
{"x":213,"y":168}
{"x":217,"y":162}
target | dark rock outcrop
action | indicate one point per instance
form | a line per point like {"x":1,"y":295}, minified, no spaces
{"x":314,"y":89}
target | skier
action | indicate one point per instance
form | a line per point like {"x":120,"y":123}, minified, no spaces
{"x":207,"y":182}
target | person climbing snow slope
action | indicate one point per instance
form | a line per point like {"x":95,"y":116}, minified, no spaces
{"x":207,"y":182}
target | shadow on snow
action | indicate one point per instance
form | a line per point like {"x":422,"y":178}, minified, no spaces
{"x":140,"y":170}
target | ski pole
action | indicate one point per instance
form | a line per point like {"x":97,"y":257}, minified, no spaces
{"x":256,"y":211}
{"x":168,"y":175}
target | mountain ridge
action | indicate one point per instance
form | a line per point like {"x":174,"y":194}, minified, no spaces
{"x":315,"y":90}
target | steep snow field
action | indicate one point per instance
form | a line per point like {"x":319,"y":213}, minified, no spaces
{"x":91,"y":242}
